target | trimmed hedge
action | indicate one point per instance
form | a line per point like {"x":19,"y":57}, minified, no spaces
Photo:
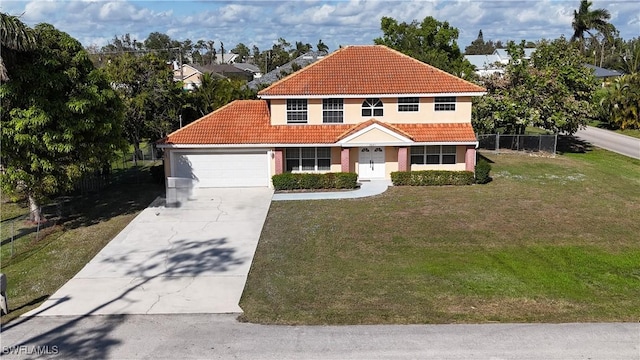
{"x":432,"y":177}
{"x":290,"y":181}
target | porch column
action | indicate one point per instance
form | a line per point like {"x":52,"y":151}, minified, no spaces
{"x":402,"y":159}
{"x":278,"y":158}
{"x":470,"y":158}
{"x":344,"y":160}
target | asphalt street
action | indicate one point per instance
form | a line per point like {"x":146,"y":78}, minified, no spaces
{"x":218,"y":336}
{"x":622,"y":144}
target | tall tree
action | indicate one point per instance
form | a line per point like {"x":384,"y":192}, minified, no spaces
{"x":64,"y":119}
{"x":14,"y":37}
{"x":214,"y":93}
{"x":243,"y":52}
{"x":322,"y":47}
{"x":430,"y":41}
{"x":585,"y":20}
{"x":152,"y":100}
{"x":300,"y":49}
{"x":163,"y":44}
{"x":552,"y":90}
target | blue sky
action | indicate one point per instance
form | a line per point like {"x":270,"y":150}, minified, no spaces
{"x":337,"y":23}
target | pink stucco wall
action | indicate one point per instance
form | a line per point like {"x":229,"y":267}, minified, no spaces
{"x":344,"y":160}
{"x":402,"y":159}
{"x":470,"y":158}
{"x":279,"y":162}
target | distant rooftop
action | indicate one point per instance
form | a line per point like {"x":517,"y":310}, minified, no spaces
{"x":276,"y":74}
{"x":602,"y":72}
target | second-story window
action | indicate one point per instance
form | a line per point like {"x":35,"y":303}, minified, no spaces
{"x":445,"y":103}
{"x":406,"y":104}
{"x":296,"y":111}
{"x":332,"y":110}
{"x":372,"y":107}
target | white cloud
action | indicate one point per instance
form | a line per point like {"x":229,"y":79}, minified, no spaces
{"x":334,"y":21}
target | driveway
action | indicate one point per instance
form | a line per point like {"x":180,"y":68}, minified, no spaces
{"x":612,"y":141}
{"x":191,"y":259}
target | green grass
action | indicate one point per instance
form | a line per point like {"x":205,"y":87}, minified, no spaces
{"x":80,"y":226}
{"x":549,"y":240}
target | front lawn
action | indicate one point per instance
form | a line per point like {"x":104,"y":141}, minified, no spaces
{"x":549,"y":240}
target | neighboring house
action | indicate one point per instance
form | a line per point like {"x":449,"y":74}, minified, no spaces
{"x":602,"y":73}
{"x":364,"y":109}
{"x":286,"y":69}
{"x":494,"y":64}
{"x":228,"y":58}
{"x":250,"y":68}
{"x":231,"y":72}
{"x":487,"y":65}
{"x":191,"y":75}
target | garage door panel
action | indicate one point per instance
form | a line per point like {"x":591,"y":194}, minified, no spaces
{"x":224,"y":169}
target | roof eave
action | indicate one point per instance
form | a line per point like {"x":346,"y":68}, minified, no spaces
{"x":359,"y":96}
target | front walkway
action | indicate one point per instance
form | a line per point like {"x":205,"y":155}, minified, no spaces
{"x":367,"y":188}
{"x":191,"y":259}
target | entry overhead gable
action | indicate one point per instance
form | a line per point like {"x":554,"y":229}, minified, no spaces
{"x":372,"y":132}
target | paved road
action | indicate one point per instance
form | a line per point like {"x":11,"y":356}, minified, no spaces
{"x":622,"y":144}
{"x":202,"y":336}
{"x":191,"y":259}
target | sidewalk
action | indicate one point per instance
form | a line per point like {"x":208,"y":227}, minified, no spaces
{"x":367,"y":188}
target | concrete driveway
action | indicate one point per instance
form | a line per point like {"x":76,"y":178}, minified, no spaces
{"x":191,"y":259}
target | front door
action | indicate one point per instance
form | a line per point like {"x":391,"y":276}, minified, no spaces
{"x":371,"y":163}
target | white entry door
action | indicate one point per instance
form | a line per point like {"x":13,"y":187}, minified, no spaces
{"x":371,"y":163}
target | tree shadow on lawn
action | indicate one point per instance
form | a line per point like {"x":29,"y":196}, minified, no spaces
{"x":572,"y":145}
{"x":117,"y":199}
{"x":84,"y":338}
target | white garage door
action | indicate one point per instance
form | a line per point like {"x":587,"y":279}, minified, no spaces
{"x":223,"y":169}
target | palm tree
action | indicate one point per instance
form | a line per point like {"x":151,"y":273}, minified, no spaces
{"x":585,"y":20}
{"x":622,"y":102}
{"x":322,"y":47}
{"x":14,"y":36}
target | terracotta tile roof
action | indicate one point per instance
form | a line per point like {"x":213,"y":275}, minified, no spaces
{"x":247,"y":122}
{"x":457,"y":132}
{"x":364,"y":125}
{"x":370,"y":69}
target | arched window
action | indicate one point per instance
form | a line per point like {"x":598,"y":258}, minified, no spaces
{"x":372,"y":107}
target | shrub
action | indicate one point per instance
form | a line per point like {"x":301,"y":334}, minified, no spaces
{"x":289,"y":181}
{"x":431,"y":178}
{"x":345,"y":180}
{"x":483,"y":168}
{"x":286,"y":181}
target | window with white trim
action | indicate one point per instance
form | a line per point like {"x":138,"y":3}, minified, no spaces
{"x":372,"y":107}
{"x":433,"y":154}
{"x":407,"y":104}
{"x":308,"y":159}
{"x":332,"y":110}
{"x":445,"y":103}
{"x":296,"y":111}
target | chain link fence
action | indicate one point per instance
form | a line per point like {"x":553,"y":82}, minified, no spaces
{"x":546,"y":144}
{"x":147,"y":155}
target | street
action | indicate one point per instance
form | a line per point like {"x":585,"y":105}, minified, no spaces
{"x":622,"y":144}
{"x":210,"y":336}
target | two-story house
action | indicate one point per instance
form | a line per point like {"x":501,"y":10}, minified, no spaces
{"x":364,"y":109}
